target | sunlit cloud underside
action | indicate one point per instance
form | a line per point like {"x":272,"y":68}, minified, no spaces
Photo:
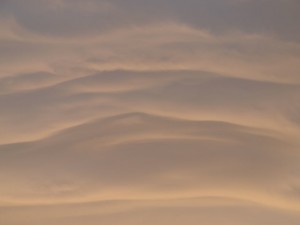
{"x":149,"y":112}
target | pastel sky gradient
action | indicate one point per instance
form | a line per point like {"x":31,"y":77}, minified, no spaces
{"x":149,"y":112}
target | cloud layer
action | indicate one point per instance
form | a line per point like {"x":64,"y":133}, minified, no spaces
{"x":161,"y":112}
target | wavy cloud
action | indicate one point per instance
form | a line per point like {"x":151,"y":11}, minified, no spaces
{"x":161,"y":112}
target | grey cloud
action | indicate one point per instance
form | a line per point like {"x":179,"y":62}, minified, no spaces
{"x":228,"y":211}
{"x":185,"y":91}
{"x":21,"y":82}
{"x":155,"y":47}
{"x":144,"y":152}
{"x":277,"y":18}
{"x":62,"y":17}
{"x":173,"y":93}
{"x":153,"y":112}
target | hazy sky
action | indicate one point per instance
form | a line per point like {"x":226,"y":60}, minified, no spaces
{"x":149,"y":112}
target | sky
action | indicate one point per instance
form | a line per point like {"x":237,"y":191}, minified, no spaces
{"x":136,"y":112}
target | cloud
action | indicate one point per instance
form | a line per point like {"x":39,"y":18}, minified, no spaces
{"x":184,"y":94}
{"x":157,"y":112}
{"x":69,"y":18}
{"x":176,"y":211}
{"x":158,"y":47}
{"x":105,"y":159}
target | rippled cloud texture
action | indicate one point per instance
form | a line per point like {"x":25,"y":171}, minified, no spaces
{"x":135,"y":112}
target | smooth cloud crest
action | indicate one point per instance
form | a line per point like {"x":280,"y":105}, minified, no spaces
{"x":161,"y":112}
